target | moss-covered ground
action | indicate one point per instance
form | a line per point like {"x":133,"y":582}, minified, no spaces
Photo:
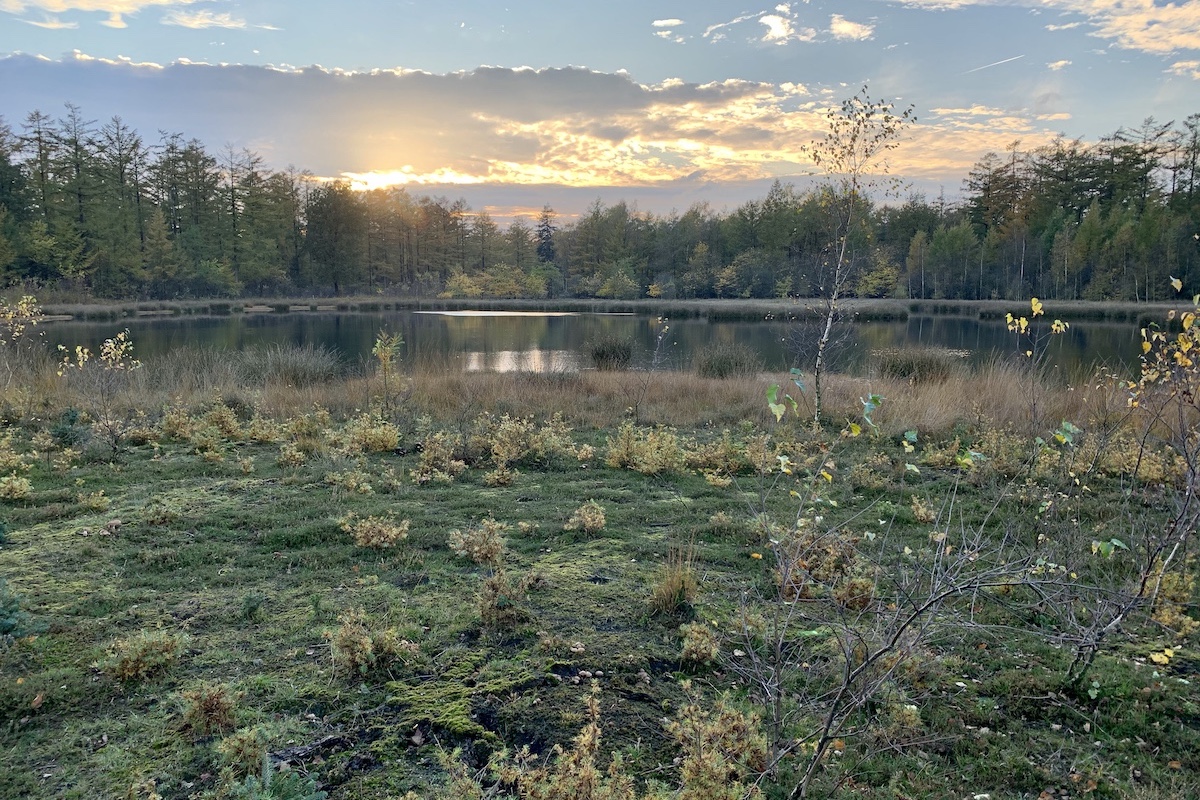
{"x":231,"y":546}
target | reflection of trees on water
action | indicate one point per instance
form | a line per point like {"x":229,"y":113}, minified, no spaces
{"x":539,"y":342}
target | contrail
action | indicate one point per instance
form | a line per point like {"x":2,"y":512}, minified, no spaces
{"x":995,"y":64}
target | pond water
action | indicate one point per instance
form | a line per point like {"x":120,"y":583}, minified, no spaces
{"x":505,"y":341}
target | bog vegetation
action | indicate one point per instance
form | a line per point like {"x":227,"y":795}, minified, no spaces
{"x":396,"y":583}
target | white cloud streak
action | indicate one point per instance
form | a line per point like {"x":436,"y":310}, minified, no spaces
{"x":52,"y":23}
{"x":1055,"y":66}
{"x":994,"y":64}
{"x":203,"y":19}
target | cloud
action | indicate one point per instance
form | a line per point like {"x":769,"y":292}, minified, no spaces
{"x":715,"y":31}
{"x":497,"y":127}
{"x":1150,"y":26}
{"x":203,"y":19}
{"x":115,"y":8}
{"x":1055,"y":66}
{"x":779,"y":29}
{"x":1185,"y":69}
{"x":842,"y":28}
{"x":1066,"y":27}
{"x":667,"y":23}
{"x":52,"y":23}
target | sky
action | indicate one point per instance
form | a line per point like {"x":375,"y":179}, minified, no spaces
{"x":514,"y":104}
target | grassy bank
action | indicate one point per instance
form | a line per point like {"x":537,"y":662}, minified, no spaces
{"x":380,"y":586}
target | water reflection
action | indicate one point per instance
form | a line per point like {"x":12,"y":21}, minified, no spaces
{"x":506,"y":341}
{"x":521,"y":361}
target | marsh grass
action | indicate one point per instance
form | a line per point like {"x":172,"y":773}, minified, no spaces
{"x":610,"y":353}
{"x":927,"y":390}
{"x":917,"y":364}
{"x":727,"y":360}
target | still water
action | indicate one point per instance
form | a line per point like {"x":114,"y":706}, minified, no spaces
{"x":506,"y":341}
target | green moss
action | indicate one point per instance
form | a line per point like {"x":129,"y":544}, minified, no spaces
{"x":449,"y":703}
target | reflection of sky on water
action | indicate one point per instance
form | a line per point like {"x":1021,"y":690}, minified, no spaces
{"x":521,"y":361}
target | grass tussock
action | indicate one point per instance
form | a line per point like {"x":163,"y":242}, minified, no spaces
{"x":727,"y":360}
{"x":918,"y":364}
{"x":610,"y":353}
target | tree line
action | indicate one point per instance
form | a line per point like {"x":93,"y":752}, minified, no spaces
{"x":95,"y":208}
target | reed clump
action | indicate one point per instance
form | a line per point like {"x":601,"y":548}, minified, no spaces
{"x":725,"y":360}
{"x":918,"y":364}
{"x":610,"y":353}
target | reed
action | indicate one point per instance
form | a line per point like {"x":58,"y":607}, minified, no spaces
{"x":282,"y":381}
{"x":725,"y":360}
{"x":611,"y":352}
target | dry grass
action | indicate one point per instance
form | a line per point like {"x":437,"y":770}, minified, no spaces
{"x":999,"y":394}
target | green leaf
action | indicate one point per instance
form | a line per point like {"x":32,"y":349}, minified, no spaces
{"x":912,"y":468}
{"x":777,"y":408}
{"x":796,"y":375}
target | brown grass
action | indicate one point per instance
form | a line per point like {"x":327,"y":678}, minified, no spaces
{"x":999,"y":394}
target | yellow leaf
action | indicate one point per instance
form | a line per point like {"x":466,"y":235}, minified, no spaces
{"x":1145,"y":347}
{"x":826,"y":476}
{"x":1177,"y":284}
{"x":1160,"y":658}
{"x":1036,"y":305}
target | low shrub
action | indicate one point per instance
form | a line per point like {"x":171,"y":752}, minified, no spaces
{"x":146,"y":654}
{"x":483,"y":544}
{"x":700,"y":643}
{"x":588,"y":518}
{"x":378,"y":532}
{"x":501,"y":598}
{"x":14,"y":487}
{"x":359,"y":650}
{"x":208,"y":709}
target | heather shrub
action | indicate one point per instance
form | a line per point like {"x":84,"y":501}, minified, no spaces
{"x":482,"y":543}
{"x":372,"y":531}
{"x":440,"y":460}
{"x":208,"y":708}
{"x":146,"y":654}
{"x":650,"y":452}
{"x":359,"y":650}
{"x":700,"y":643}
{"x":588,"y":518}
